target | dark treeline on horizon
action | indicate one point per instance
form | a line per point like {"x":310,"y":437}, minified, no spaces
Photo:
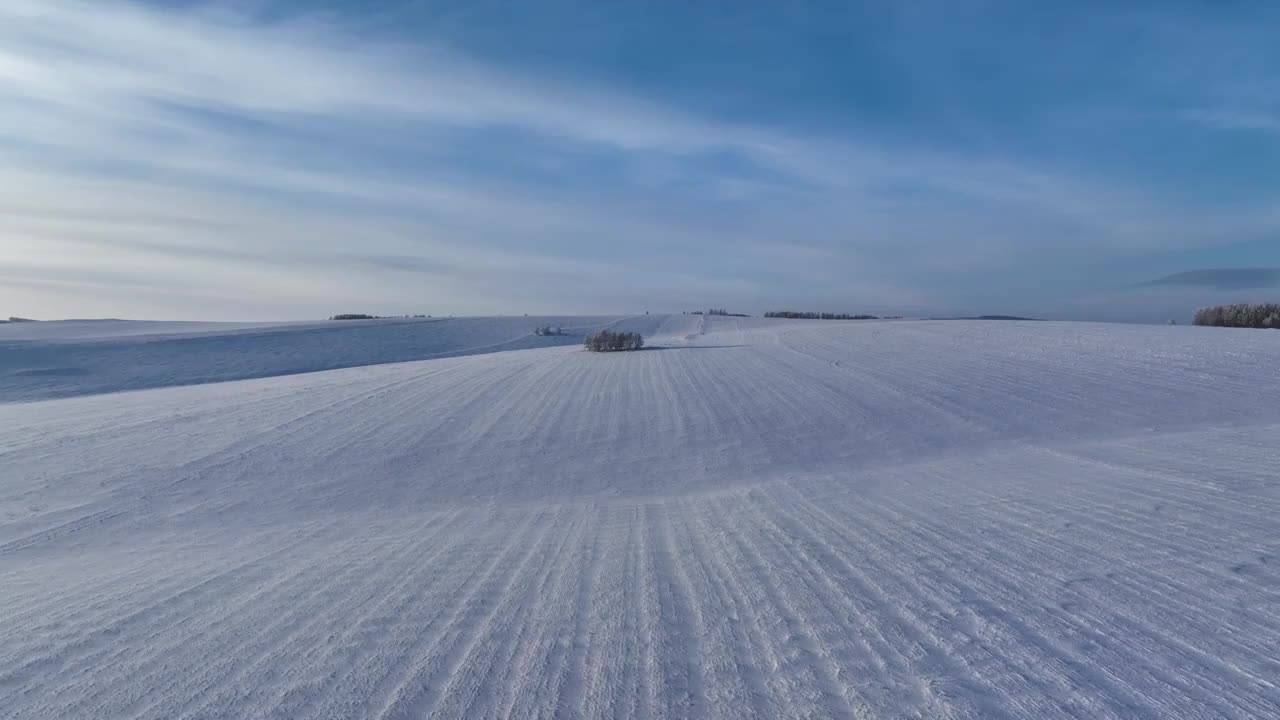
{"x":816,"y":316}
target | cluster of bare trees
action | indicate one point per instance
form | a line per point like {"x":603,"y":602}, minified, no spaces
{"x":609,"y":341}
{"x":1264,"y":315}
{"x":816,"y":316}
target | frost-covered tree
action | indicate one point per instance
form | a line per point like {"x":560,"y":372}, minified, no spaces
{"x":609,"y":341}
{"x":1264,"y":315}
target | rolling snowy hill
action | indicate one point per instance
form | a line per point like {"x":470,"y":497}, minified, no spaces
{"x":46,"y":360}
{"x":953,"y":519}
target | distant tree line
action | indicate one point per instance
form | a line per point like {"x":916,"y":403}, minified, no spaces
{"x":362,"y":316}
{"x":1263,"y":315}
{"x":717,"y":311}
{"x":816,"y":316}
{"x":609,"y":341}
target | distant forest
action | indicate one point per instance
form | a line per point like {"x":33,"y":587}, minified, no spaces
{"x":1265,"y":315}
{"x":362,"y":316}
{"x":816,"y":316}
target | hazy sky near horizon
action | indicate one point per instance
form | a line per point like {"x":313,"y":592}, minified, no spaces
{"x":288,"y":160}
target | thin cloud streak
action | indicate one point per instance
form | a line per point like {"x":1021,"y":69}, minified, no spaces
{"x":1224,"y":279}
{"x":1238,"y":119}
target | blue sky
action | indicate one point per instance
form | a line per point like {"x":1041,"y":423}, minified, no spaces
{"x":279,"y":160}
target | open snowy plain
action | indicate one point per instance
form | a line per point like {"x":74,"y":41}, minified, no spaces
{"x":757,"y":519}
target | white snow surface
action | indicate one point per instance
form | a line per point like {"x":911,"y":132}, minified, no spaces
{"x":45,"y":360}
{"x":759,"y":519}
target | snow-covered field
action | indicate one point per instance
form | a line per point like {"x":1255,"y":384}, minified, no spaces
{"x":46,"y":360}
{"x":759,"y":519}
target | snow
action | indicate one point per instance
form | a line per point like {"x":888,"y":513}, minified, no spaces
{"x":108,"y":328}
{"x":766,"y":519}
{"x":61,"y":359}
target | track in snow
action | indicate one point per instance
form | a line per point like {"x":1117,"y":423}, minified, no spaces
{"x":762,"y":519}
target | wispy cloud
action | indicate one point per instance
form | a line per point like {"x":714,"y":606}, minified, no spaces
{"x":1224,"y":279}
{"x":1238,"y":119}
{"x":302,"y":164}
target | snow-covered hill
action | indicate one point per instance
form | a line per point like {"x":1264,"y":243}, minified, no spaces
{"x":80,"y":357}
{"x":755,"y":519}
